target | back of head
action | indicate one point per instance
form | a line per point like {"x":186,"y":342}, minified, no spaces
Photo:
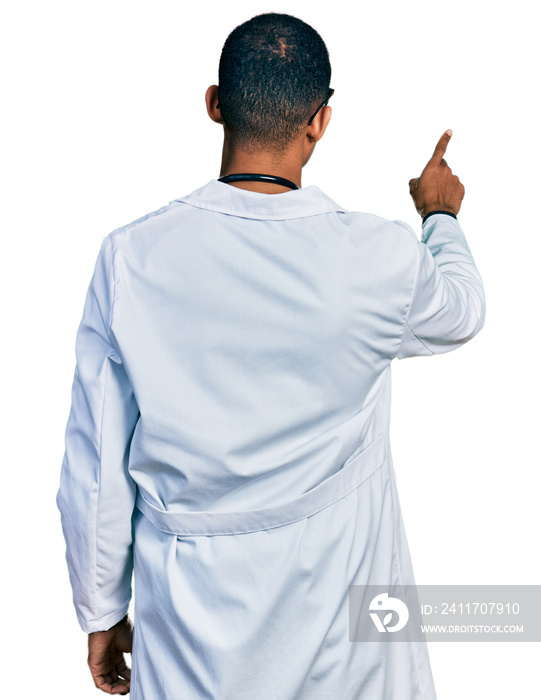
{"x":274,"y":73}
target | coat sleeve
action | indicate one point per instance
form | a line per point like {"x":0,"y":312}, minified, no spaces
{"x":447,"y":306}
{"x":97,"y":495}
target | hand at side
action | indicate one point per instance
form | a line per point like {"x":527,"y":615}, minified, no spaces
{"x":106,"y":657}
{"x":437,"y":189}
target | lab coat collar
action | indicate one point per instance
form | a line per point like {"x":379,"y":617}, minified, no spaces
{"x":224,"y":198}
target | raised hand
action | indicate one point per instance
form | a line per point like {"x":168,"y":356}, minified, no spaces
{"x":437,"y":189}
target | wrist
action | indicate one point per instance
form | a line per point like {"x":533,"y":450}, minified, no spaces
{"x":438,"y":206}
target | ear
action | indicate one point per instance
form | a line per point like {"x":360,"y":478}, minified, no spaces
{"x":211,"y":99}
{"x":318,"y":127}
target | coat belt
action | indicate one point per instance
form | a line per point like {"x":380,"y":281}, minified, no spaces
{"x":200,"y":523}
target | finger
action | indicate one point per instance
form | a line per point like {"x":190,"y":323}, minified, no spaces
{"x":441,"y":147}
{"x":120,"y":685}
{"x":124,"y":670}
{"x":460,"y":185}
{"x":120,"y":689}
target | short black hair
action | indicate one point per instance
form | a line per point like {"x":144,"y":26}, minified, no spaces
{"x":274,"y":73}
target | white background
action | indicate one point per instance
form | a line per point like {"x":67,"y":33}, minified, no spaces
{"x":104,"y":120}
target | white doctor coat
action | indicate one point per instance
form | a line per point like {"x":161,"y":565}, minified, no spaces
{"x":229,"y":439}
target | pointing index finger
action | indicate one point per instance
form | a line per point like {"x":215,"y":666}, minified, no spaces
{"x":441,"y":147}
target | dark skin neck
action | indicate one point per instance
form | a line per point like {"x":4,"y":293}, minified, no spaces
{"x":287,"y":163}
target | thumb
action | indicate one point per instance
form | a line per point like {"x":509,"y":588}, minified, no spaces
{"x":441,"y":147}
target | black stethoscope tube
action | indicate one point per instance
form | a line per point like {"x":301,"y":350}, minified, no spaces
{"x":256,"y":177}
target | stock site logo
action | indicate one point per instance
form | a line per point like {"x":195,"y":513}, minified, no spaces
{"x":385,"y":604}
